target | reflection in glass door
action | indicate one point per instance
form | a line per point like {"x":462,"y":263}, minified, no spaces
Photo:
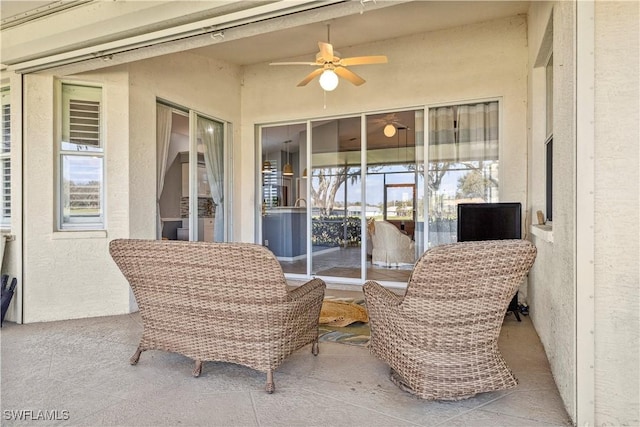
{"x":336,"y":198}
{"x":393,"y":195}
{"x":191,"y":171}
{"x":283,"y":191}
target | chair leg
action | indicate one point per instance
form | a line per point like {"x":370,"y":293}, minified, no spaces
{"x":270,"y":384}
{"x":314,"y":348}
{"x":136,"y":356}
{"x":197,"y":369}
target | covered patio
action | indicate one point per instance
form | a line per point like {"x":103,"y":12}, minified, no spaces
{"x":77,"y":372}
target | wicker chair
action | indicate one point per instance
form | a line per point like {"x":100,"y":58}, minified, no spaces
{"x":441,"y":338}
{"x":391,"y":247}
{"x":218,"y":302}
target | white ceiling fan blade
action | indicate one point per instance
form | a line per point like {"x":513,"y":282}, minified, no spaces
{"x":349,"y":75}
{"x":310,"y":77}
{"x":326,"y":51}
{"x":363,"y":60}
{"x":293,"y":63}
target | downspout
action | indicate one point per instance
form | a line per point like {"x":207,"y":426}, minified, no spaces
{"x":584,"y":249}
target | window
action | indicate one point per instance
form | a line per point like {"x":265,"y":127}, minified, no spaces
{"x":81,"y":156}
{"x":5,"y":162}
{"x":549,"y":140}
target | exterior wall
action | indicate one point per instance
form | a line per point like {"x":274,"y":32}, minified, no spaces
{"x":12,"y":257}
{"x":454,"y":65}
{"x":208,"y":86}
{"x":552,"y":278}
{"x":61,"y":281}
{"x":617,"y":219}
{"x":68,"y":274}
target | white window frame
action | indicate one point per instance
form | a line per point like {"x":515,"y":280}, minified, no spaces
{"x":5,"y":161}
{"x":77,"y":151}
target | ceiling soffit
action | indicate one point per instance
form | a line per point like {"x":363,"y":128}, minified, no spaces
{"x":121,"y":32}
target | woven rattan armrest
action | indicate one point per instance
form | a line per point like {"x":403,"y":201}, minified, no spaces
{"x":305,"y":289}
{"x":382,"y":295}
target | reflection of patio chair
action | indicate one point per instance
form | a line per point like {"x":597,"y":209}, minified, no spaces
{"x":441,"y":338}
{"x":225,"y":302}
{"x":391,"y":247}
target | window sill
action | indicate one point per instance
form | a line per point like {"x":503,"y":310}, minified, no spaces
{"x":543,"y":232}
{"x":79,"y":234}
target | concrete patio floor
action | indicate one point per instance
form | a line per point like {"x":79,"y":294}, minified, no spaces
{"x":78,"y":372}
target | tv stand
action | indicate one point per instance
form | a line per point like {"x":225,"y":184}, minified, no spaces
{"x":513,"y":307}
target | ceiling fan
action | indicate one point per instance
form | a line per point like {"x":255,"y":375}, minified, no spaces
{"x":389,"y":123}
{"x":331,"y":66}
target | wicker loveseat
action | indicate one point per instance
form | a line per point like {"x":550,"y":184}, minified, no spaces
{"x":441,"y":338}
{"x":218,"y":302}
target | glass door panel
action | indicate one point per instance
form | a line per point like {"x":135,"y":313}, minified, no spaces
{"x":283,"y":190}
{"x":209,"y":181}
{"x":463,"y":164}
{"x":336,"y":198}
{"x":392,"y":195}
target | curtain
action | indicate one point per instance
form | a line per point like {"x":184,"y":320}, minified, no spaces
{"x":441,"y":134}
{"x":477,"y":132}
{"x":462,"y":138}
{"x":212,"y":137}
{"x":163,"y":137}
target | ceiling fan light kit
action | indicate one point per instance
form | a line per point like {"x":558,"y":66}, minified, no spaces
{"x":389,"y":130}
{"x":328,"y":80}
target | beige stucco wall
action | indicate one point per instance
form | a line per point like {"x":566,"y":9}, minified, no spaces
{"x":479,"y":61}
{"x":67,"y":274}
{"x":617,"y":218}
{"x":551,"y":280}
{"x":70,"y":274}
{"x":11,"y":259}
{"x":616,"y":255}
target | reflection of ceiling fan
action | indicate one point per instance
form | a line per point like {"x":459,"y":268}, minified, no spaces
{"x":388,"y":123}
{"x":331,"y":66}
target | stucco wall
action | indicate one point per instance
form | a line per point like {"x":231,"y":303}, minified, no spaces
{"x":205,"y":85}
{"x":551,"y":280}
{"x":617,"y":232}
{"x":11,"y":259}
{"x":454,"y":65}
{"x":70,"y":274}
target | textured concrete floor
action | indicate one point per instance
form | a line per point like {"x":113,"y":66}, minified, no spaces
{"x":78,"y":372}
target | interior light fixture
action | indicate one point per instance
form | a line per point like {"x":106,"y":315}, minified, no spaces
{"x":266,"y":166}
{"x":389,"y":130}
{"x":328,"y":80}
{"x":287,"y":169}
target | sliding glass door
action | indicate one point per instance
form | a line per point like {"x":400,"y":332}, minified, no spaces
{"x":191,"y":174}
{"x":336,"y":198}
{"x":463,"y":163}
{"x":393,"y":194}
{"x":362,"y":197}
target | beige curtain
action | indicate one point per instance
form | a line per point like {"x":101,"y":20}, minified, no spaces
{"x":163,"y":137}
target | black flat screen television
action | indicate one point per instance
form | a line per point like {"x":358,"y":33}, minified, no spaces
{"x":489,"y":221}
